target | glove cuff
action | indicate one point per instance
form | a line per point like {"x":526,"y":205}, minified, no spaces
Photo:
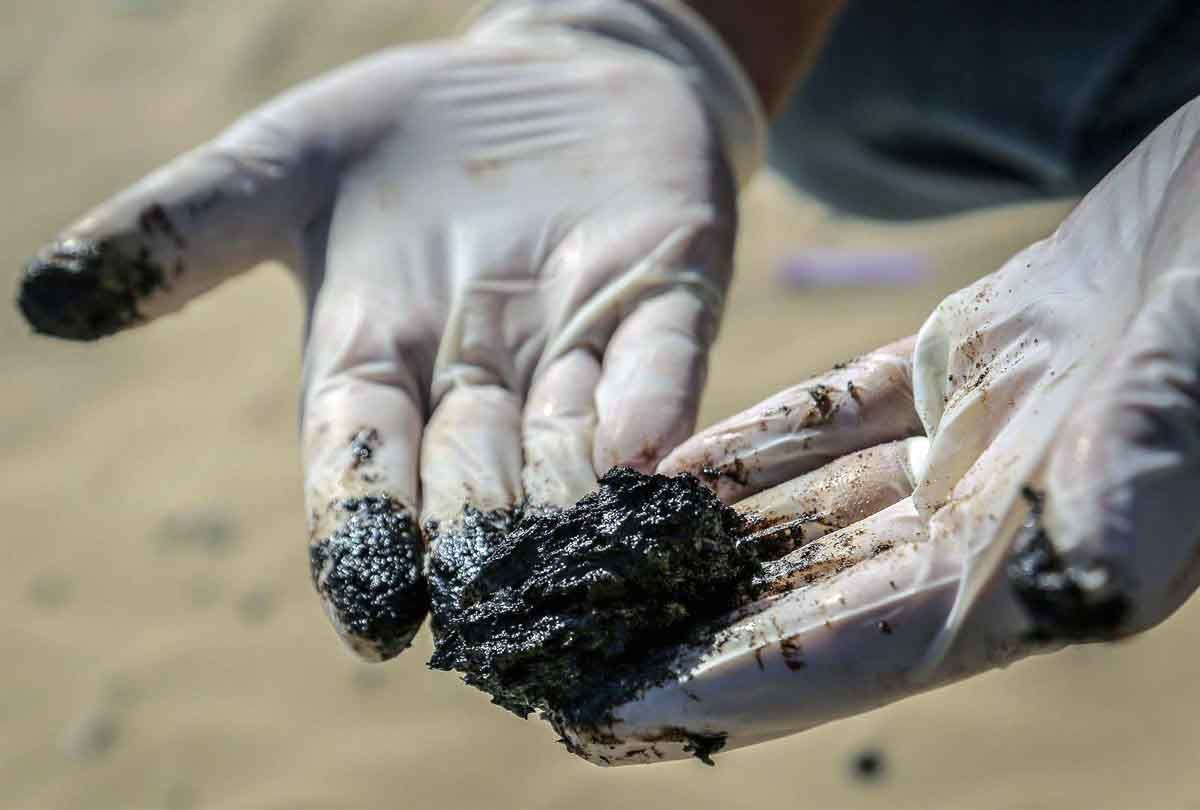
{"x":674,"y":32}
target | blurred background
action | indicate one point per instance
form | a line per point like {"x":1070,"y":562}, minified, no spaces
{"x":160,"y":644}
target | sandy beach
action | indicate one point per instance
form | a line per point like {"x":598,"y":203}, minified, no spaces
{"x":160,"y":642}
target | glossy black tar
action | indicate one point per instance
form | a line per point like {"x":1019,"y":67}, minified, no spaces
{"x":562,"y":611}
{"x":370,"y":571}
{"x":83,"y":290}
{"x":868,"y":765}
{"x":1069,"y":601}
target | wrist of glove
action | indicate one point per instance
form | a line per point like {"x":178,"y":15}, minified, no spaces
{"x":666,"y":28}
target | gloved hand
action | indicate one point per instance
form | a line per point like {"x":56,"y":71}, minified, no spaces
{"x":1022,"y":478}
{"x":515,"y":248}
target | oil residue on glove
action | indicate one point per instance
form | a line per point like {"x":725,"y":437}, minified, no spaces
{"x":369,"y":572}
{"x":562,"y":611}
{"x":1074,"y":601}
{"x":81,"y":289}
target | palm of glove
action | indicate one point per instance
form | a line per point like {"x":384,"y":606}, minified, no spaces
{"x":531,"y":236}
{"x":1020,"y":477}
{"x":515,"y":250}
{"x":527,"y":261}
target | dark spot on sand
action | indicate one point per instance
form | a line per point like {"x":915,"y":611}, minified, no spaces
{"x":371,"y":573}
{"x":563,"y":611}
{"x":884,"y":627}
{"x":92,"y":736}
{"x":50,"y":591}
{"x":868,"y":765}
{"x":206,"y":530}
{"x":1074,"y":601}
{"x":368,"y":679}
{"x":255,"y":607}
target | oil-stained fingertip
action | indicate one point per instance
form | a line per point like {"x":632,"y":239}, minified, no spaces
{"x":79,"y":289}
{"x":1071,"y":600}
{"x":370,"y":574}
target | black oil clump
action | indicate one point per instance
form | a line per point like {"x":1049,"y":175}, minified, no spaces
{"x":1069,"y":601}
{"x":562,"y":611}
{"x":370,"y":571}
{"x":83,"y":290}
{"x":868,"y":765}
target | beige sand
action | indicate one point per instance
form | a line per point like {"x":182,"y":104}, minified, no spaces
{"x":160,"y":646}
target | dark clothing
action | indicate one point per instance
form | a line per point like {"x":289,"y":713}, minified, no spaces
{"x":930,"y":107}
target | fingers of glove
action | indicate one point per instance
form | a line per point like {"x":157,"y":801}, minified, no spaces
{"x":471,"y":477}
{"x":845,"y":642}
{"x":866,"y":402}
{"x":471,"y":455}
{"x":652,"y":377}
{"x":840,"y":494}
{"x":559,"y":428}
{"x":1006,"y":365}
{"x":216,"y":210}
{"x":361,"y":439}
{"x":1121,"y":531}
{"x":362,"y":426}
{"x":1115,"y":552}
{"x":221,"y":208}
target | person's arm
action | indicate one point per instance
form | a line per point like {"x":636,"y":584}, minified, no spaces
{"x":774,"y":40}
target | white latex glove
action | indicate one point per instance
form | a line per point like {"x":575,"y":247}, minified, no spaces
{"x":515,"y":248}
{"x":1053,"y":501}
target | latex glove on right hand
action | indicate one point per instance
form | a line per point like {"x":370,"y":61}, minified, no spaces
{"x":515,"y":249}
{"x":1050,"y":500}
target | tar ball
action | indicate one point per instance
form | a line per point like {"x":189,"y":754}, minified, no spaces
{"x":566,"y":611}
